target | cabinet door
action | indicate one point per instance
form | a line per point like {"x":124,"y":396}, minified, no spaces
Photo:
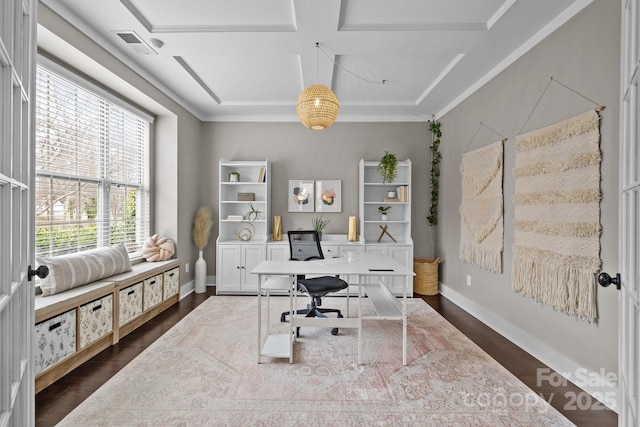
{"x":343,"y":249}
{"x":404,"y":255}
{"x":377,"y":249}
{"x":330,"y":250}
{"x":228,"y":268}
{"x":278,"y":252}
{"x":252,"y":255}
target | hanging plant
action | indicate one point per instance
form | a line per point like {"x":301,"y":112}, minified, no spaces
{"x":434,"y":127}
{"x":388,"y":167}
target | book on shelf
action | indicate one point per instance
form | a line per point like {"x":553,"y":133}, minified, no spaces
{"x":403,"y":193}
{"x":234,"y":217}
{"x":261,"y":175}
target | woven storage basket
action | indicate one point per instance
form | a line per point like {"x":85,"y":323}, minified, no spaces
{"x":426,"y":280}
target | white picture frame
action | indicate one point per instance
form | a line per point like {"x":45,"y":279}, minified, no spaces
{"x":301,"y":195}
{"x":329,"y":195}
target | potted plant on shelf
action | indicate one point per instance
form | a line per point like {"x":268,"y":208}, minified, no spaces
{"x":202,"y":223}
{"x":388,"y":167}
{"x":383,"y":210}
{"x":319,"y":224}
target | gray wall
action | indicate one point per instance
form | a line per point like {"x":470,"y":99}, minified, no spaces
{"x":177,"y":133}
{"x":584,"y":55}
{"x":299,"y":153}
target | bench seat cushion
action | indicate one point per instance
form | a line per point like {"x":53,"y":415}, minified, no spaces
{"x":78,"y":269}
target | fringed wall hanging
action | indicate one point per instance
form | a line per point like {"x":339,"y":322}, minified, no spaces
{"x":481,"y":210}
{"x":556,"y":252}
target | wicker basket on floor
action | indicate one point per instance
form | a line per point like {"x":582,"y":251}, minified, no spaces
{"x":425,"y":281}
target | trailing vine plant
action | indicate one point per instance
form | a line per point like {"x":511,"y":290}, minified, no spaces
{"x":388,"y":167}
{"x":434,"y":127}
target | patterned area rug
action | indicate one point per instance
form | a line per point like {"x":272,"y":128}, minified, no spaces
{"x":556,"y":253}
{"x":203,"y":372}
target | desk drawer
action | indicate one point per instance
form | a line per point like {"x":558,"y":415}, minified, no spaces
{"x":171,"y":283}
{"x":152,"y":291}
{"x":55,"y":340}
{"x":130,"y":303}
{"x":96,"y":320}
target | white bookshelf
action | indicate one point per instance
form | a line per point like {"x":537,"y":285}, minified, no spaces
{"x":231,"y":209}
{"x":372,"y":194}
{"x":236,"y":257}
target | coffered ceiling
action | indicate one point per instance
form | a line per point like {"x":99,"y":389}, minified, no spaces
{"x":248,"y":60}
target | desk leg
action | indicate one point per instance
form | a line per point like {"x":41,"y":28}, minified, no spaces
{"x":359,"y":318}
{"x":404,"y":324}
{"x":259,"y":316}
{"x":292,"y":298}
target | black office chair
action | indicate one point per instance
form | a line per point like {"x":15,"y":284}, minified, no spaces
{"x":305,"y":246}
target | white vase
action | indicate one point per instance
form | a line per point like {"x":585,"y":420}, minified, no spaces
{"x":201,"y":275}
{"x":384,"y":217}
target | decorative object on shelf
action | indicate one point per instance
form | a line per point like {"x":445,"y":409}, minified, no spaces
{"x":388,"y":167}
{"x":318,"y":224}
{"x":277,"y":228}
{"x":384,"y":210}
{"x":434,"y":127}
{"x":245,"y":231}
{"x":391,"y":194}
{"x":301,"y":195}
{"x":317,"y":105}
{"x":246,"y":197}
{"x":385,"y":231}
{"x":202,"y":223}
{"x":234,"y":177}
{"x":352,"y":234}
{"x":158,"y":248}
{"x":252,"y":215}
{"x":329,"y":196}
{"x":425,"y":281}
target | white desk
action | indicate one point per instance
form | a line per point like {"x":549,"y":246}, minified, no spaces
{"x":365,"y":266}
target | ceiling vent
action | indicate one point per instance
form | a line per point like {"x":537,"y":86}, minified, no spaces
{"x":134,"y":41}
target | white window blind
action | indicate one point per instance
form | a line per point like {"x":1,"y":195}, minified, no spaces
{"x":92,"y":169}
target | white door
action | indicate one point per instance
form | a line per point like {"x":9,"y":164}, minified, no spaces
{"x":629,"y":302}
{"x":17,"y":81}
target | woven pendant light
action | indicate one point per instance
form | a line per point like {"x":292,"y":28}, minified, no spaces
{"x":317,"y":107}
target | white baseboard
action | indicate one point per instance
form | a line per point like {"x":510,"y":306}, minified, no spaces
{"x":593,"y":383}
{"x":190,"y":287}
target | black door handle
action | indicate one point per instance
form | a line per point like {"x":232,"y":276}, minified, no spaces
{"x":41,"y":272}
{"x":605,"y":280}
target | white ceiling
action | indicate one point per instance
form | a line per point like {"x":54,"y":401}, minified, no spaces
{"x":248,"y":60}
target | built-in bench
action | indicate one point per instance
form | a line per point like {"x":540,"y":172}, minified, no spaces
{"x":73,"y":326}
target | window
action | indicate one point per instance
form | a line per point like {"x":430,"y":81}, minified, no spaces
{"x":92,"y":168}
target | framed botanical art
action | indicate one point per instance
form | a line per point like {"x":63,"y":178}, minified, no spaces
{"x":329,"y":195}
{"x":301,"y":195}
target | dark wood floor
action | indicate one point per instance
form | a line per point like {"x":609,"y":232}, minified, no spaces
{"x":57,"y":400}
